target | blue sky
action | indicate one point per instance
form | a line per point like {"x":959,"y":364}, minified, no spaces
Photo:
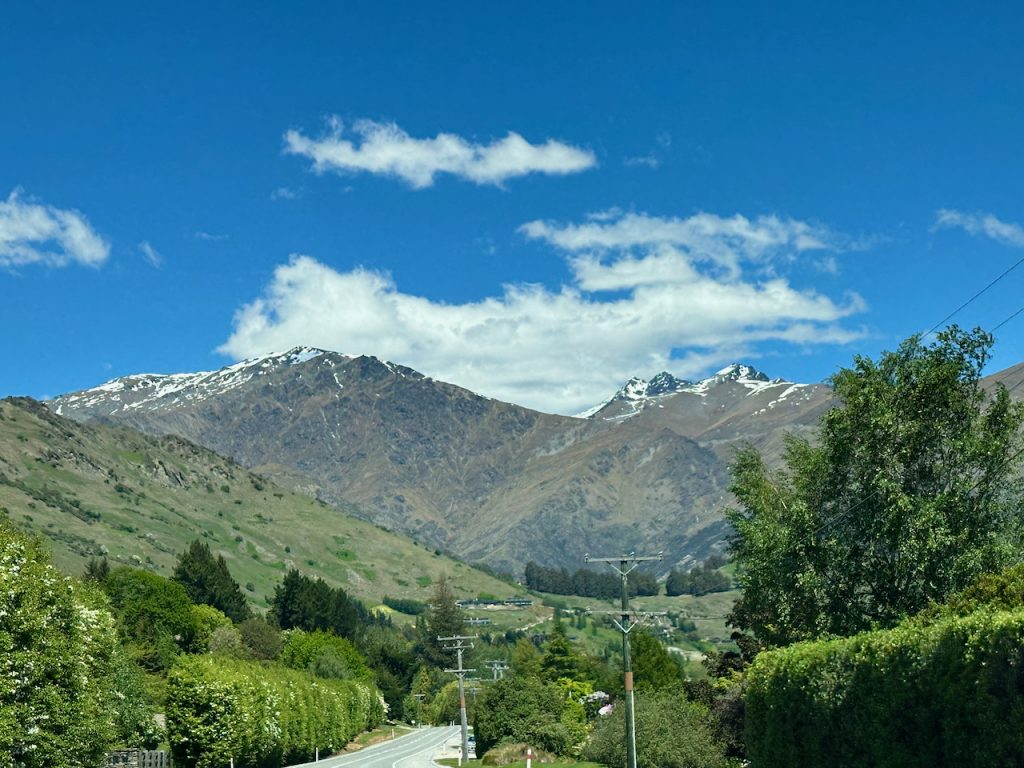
{"x":532,"y":200}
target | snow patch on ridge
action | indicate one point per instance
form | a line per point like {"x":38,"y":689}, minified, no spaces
{"x":145,"y":391}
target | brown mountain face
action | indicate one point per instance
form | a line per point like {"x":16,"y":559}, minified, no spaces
{"x":488,"y":481}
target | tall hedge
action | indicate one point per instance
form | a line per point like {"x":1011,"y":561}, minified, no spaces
{"x":260,"y":715}
{"x":947,"y":693}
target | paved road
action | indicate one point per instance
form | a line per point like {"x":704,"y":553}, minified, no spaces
{"x":415,"y":750}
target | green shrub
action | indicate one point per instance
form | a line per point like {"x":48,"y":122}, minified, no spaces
{"x":671,"y":732}
{"x":220,"y":709}
{"x":945,"y":693}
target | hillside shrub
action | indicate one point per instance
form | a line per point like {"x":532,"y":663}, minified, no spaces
{"x":922,"y":694}
{"x":220,"y":709}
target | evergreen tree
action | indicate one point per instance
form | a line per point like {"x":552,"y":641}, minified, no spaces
{"x":560,"y":659}
{"x":653,"y":666}
{"x":444,"y":618}
{"x":97,"y":570}
{"x":207,"y":580}
{"x":300,"y":602}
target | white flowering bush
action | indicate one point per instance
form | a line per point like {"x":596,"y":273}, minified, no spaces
{"x":219,"y":709}
{"x":57,"y":648}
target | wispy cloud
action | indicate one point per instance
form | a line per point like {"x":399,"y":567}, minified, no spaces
{"x":209,"y":236}
{"x":657,"y":306}
{"x":980,"y":223}
{"x":648,"y":161}
{"x":34,"y":233}
{"x":703,"y":237}
{"x":286,"y":193}
{"x":385,"y":149}
{"x":151,"y":255}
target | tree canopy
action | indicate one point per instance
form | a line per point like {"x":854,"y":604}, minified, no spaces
{"x":208,"y":581}
{"x":906,"y":494}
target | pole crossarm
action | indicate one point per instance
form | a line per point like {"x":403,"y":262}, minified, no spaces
{"x":638,"y":618}
{"x":623,"y":560}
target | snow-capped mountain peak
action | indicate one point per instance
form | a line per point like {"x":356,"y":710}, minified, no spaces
{"x":739,"y":372}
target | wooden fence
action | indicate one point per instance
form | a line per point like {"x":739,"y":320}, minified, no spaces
{"x":138,"y":758}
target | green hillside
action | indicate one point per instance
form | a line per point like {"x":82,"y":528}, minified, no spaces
{"x":98,"y":490}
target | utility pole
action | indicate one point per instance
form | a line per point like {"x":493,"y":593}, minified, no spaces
{"x":460,"y":643}
{"x":625,"y":565}
{"x":498,"y":668}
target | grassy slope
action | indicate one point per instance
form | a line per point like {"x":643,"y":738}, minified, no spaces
{"x":93,"y":489}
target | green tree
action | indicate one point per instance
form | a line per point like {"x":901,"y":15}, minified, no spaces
{"x":300,"y":602}
{"x":325,"y":655}
{"x":525,"y":659}
{"x":653,"y":666}
{"x":207,"y":580}
{"x":155,"y":616}
{"x":261,"y":638}
{"x":671,"y":732}
{"x":908,"y":492}
{"x":57,"y":657}
{"x":444,"y":618}
{"x":526,"y":709}
{"x":560,"y":658}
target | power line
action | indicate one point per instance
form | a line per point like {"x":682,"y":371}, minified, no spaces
{"x":972,"y":299}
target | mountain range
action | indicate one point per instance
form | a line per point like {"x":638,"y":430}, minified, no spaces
{"x":487,"y":481}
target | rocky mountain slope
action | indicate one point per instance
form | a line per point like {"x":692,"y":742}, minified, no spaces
{"x":92,"y":489}
{"x":489,"y":481}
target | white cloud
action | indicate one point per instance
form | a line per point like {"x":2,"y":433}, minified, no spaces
{"x":554,"y":350}
{"x":33,"y":233}
{"x":385,"y":149}
{"x":981,"y":223}
{"x":210,"y":237}
{"x":151,"y":254}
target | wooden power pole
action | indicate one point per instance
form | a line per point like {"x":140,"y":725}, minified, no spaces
{"x":624,"y":565}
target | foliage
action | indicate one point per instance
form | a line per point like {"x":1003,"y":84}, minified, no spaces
{"x":586,"y":582}
{"x":653,"y":666}
{"x":155,"y":616}
{"x":208,"y":581}
{"x":300,"y":602}
{"x":698,"y":581}
{"x":444,"y":707}
{"x":57,"y":652}
{"x":324,"y":655}
{"x":671,"y":732}
{"x":390,"y":656}
{"x":923,"y":694}
{"x":560,"y":659}
{"x":207,"y":620}
{"x":907,"y":494}
{"x":261,"y":716}
{"x":444,"y":618}
{"x":405,"y":605}
{"x":262,"y":639}
{"x":525,"y":659}
{"x":526,"y":709}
